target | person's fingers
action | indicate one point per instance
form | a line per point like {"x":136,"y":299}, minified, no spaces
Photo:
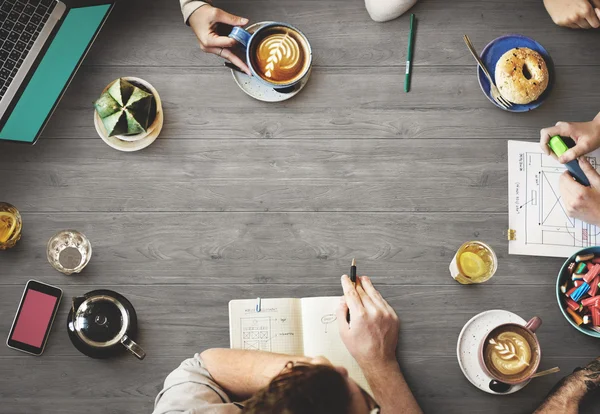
{"x":583,"y":23}
{"x":375,"y":296}
{"x":592,"y":18}
{"x":561,"y":128}
{"x":353,"y":300}
{"x":222,"y":16}
{"x":365,"y":299}
{"x":567,"y":185}
{"x":341,"y":314}
{"x":581,"y":148}
{"x":214,"y":40}
{"x":597,"y":10}
{"x":230,"y":56}
{"x":589,"y":171}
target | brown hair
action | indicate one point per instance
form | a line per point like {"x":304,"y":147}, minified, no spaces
{"x":302,"y":389}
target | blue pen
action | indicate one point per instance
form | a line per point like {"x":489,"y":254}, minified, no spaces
{"x":558,"y":146}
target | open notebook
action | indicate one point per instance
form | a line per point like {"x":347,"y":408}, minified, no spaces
{"x":305,"y":326}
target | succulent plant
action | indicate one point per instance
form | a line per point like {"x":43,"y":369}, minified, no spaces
{"x":125,"y":109}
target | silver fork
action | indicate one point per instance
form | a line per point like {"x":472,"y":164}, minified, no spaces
{"x":500,"y":100}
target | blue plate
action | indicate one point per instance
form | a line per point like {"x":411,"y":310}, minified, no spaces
{"x":492,"y":53}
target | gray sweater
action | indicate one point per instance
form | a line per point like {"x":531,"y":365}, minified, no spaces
{"x":190,"y":6}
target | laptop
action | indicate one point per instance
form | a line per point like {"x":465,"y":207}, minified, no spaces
{"x":42,"y":44}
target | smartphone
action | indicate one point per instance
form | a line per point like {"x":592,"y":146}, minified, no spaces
{"x":35,"y":315}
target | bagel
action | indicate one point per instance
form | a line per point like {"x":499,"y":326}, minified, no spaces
{"x":521,"y":75}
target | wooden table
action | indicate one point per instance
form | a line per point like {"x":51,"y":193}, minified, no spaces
{"x":239,"y":199}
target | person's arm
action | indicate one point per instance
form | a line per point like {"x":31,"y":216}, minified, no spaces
{"x":190,"y":6}
{"x":566,"y":396}
{"x":576,"y":14}
{"x":371,"y":337}
{"x":242,"y":373}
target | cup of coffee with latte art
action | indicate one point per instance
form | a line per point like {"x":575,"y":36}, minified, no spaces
{"x":511,"y":352}
{"x":279,"y":55}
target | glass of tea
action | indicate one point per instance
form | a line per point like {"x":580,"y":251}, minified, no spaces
{"x":474,"y":262}
{"x":10,"y":226}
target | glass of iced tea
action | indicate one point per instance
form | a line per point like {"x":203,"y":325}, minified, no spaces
{"x":474,"y":262}
{"x":10,"y":226}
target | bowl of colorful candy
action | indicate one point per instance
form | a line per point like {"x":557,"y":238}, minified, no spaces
{"x":578,"y":290}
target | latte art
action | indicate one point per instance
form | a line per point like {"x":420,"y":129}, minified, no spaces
{"x":509,"y":353}
{"x":280,"y":57}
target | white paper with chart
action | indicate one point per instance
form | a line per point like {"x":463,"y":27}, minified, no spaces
{"x":305,"y":326}
{"x":538,"y":222}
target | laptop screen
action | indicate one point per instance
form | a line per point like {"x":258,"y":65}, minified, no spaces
{"x":52,"y":75}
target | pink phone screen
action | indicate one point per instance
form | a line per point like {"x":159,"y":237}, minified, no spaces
{"x":34,"y":318}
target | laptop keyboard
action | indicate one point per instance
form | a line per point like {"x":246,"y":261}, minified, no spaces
{"x":20,"y":24}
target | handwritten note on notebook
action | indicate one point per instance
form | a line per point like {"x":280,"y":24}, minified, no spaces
{"x":305,"y":326}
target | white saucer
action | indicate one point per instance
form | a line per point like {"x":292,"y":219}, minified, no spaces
{"x":131,"y":144}
{"x":470,"y":338}
{"x":256,"y":89}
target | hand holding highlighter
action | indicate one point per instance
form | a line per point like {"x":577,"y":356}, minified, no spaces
{"x":558,"y":146}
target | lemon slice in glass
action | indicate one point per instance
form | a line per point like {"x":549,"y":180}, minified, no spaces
{"x":8,"y":223}
{"x":472,"y":265}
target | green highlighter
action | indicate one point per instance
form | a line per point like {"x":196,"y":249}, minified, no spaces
{"x":558,"y":146}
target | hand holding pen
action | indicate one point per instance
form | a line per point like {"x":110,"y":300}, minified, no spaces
{"x":372,"y":335}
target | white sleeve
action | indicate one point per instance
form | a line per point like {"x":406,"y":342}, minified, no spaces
{"x":191,"y":389}
{"x":190,"y":6}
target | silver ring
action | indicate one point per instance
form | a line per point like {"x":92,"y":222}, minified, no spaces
{"x":221,"y":52}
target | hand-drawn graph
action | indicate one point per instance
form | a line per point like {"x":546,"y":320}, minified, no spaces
{"x":536,"y":209}
{"x":256,"y":333}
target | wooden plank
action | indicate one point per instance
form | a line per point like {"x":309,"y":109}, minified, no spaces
{"x":180,"y":320}
{"x":259,"y":175}
{"x":270,"y":248}
{"x":72,"y":385}
{"x":341,"y":32}
{"x":445,"y":102}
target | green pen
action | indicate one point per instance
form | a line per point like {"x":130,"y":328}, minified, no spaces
{"x":558,"y":146}
{"x":411,"y":37}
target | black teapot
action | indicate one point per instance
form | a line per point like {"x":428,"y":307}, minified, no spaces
{"x":103,"y":323}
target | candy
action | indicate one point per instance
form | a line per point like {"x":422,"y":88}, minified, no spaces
{"x":580,"y":268}
{"x":584,"y":257}
{"x":563,"y":287}
{"x":572,"y":290}
{"x":592,"y":273}
{"x":578,"y":283}
{"x":594,"y":286}
{"x":573,"y":305}
{"x":595,"y":316}
{"x":580,"y":291}
{"x":595,"y":328}
{"x":576,"y":277}
{"x":571,"y":268}
{"x":589,"y":265}
{"x":576,"y":318}
{"x":590,"y":301}
{"x":596,"y":260}
{"x":587,"y":319}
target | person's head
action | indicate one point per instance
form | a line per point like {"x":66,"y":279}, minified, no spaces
{"x":317,"y":388}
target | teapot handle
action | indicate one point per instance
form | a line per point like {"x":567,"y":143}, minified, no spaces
{"x":132,"y":347}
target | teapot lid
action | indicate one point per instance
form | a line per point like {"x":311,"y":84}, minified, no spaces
{"x":101,"y":321}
